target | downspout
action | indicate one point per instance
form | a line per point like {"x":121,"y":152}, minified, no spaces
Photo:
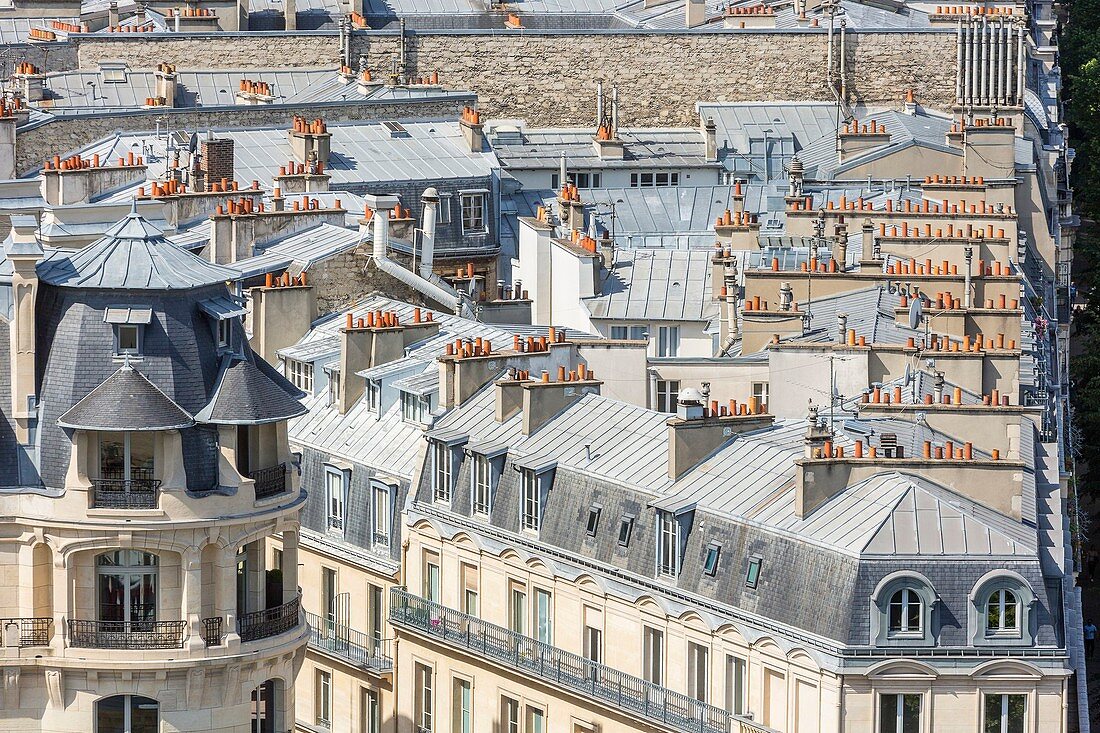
{"x":840,"y":61}
{"x":959,"y":66}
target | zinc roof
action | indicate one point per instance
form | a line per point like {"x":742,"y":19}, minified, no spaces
{"x":658,"y":147}
{"x":657,"y":285}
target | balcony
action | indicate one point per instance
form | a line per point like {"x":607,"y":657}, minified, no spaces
{"x":24,"y":632}
{"x":138,"y":493}
{"x":349,"y":644}
{"x":127,"y":634}
{"x":212,"y":631}
{"x":270,"y":621}
{"x":571,"y":672}
{"x":269,"y":481}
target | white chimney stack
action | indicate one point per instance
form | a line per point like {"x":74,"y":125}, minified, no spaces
{"x":381,"y":205}
{"x":430,"y":199}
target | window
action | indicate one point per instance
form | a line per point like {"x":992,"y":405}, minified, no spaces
{"x":517,"y":607}
{"x":442,"y":470}
{"x":372,"y":714}
{"x":536,"y":720}
{"x":1005,"y":714}
{"x":333,"y":387}
{"x":626,"y":527}
{"x":336,"y":483}
{"x":668,"y":341}
{"x":473,"y":213}
{"x":632,"y":333}
{"x":1001,"y":613}
{"x":424,"y":697}
{"x":380,"y":512}
{"x":905,"y":612}
{"x":482,"y":479}
{"x":593,"y":634}
{"x":760,"y":392}
{"x":650,"y":179}
{"x":431,"y":577}
{"x":127,"y":714}
{"x":668,"y":545}
{"x":374,"y":395}
{"x":323,"y":700}
{"x":736,"y":678}
{"x":619,"y":332}
{"x":752,"y":573}
{"x":698,"y":657}
{"x":587,"y":180}
{"x":899,"y":714}
{"x":277,"y":559}
{"x":668,"y":391}
{"x":112,"y":72}
{"x":532,"y":501}
{"x":127,"y":339}
{"x":653,"y":655}
{"x":375,"y":613}
{"x":300,"y":374}
{"x":710,"y":560}
{"x":444,"y":209}
{"x":639,"y":333}
{"x":462,"y":706}
{"x":593,"y":522}
{"x":544,"y":615}
{"x":225,"y":332}
{"x":509,"y":715}
{"x":328,"y":597}
{"x":415,"y":408}
{"x":469,"y":589}
{"x":127,"y":456}
{"x":126,"y":590}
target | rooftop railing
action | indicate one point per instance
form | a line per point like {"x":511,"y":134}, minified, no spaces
{"x":135,"y":493}
{"x":26,"y":631}
{"x":269,"y":481}
{"x":582,"y":676}
{"x":126,"y":634}
{"x":270,"y":621}
{"x":351,"y":645}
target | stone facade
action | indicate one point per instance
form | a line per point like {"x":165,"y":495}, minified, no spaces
{"x":547,"y":78}
{"x":37,"y":143}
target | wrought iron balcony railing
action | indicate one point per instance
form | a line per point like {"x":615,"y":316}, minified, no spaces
{"x":269,"y":481}
{"x":32,"y":631}
{"x":111,"y":493}
{"x":573,"y":672}
{"x":127,"y":634}
{"x":349,"y":644}
{"x":270,"y":621}
{"x":212,"y":631}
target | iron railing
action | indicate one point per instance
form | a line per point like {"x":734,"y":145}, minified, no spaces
{"x":32,"y":631}
{"x":126,"y":634}
{"x":212,"y":631}
{"x":269,"y":481}
{"x":270,"y":621}
{"x":349,"y":644}
{"x":137,"y":493}
{"x":570,"y":671}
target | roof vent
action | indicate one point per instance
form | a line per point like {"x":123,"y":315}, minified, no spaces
{"x":396,"y":129}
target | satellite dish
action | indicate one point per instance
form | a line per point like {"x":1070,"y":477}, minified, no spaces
{"x":916,"y":312}
{"x":908,"y":376}
{"x":193,"y":144}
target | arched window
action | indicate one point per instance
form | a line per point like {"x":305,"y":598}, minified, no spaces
{"x":906,"y":612}
{"x":127,"y":714}
{"x":1002,"y":612}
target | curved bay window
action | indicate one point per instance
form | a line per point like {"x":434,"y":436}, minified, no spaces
{"x":125,"y":471}
{"x":126,"y":589}
{"x":127,"y":714}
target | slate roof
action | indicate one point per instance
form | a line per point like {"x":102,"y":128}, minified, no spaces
{"x":126,"y":400}
{"x":132,"y":255}
{"x":657,"y":285}
{"x":249,"y":391}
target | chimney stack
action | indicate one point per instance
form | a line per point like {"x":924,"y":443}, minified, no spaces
{"x":23,"y":252}
{"x":710,"y":138}
{"x":430,"y":201}
{"x":281,"y":315}
{"x":695,"y":13}
{"x":216,"y":162}
{"x":841,"y":327}
{"x":310,"y":141}
{"x":164,"y":84}
{"x":473,"y":132}
{"x":381,"y":205}
{"x":697,"y":431}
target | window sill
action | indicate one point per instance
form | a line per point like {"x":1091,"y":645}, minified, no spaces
{"x":127,"y":513}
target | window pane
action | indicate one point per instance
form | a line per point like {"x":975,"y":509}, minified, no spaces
{"x":1017,"y":705}
{"x":993,"y":714}
{"x":1010,"y":611}
{"x":888,"y":714}
{"x":910,"y":714}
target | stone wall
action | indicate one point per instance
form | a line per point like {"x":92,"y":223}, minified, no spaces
{"x":36,"y":144}
{"x":549,"y":77}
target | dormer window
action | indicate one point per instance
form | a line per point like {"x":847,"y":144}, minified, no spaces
{"x":1000,"y":611}
{"x":129,"y":325}
{"x":442,"y":471}
{"x":488,"y":462}
{"x":415,"y":408}
{"x":536,"y":478}
{"x":668,"y":545}
{"x":903,"y":611}
{"x":300,"y":374}
{"x":224,"y":311}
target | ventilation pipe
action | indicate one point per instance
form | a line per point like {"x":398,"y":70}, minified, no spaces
{"x":969,"y":253}
{"x":430,"y":200}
